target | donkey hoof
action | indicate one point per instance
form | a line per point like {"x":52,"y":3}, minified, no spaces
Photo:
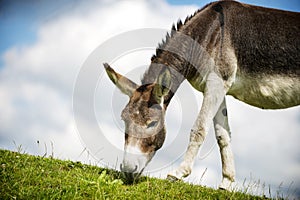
{"x":226,"y":185}
{"x":172,"y":178}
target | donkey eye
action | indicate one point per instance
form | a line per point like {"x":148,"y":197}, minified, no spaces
{"x":156,"y":106}
{"x":152,"y":124}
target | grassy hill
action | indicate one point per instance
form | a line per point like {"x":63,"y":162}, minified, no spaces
{"x":33,"y":177}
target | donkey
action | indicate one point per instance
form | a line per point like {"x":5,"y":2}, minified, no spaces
{"x":225,"y":48}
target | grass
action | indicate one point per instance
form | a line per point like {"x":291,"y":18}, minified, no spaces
{"x":24,"y":176}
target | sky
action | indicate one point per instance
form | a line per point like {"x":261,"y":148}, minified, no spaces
{"x":45,"y":50}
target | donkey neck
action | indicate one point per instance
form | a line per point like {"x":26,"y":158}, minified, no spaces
{"x":170,"y":62}
{"x":185,"y":51}
{"x":181,"y":55}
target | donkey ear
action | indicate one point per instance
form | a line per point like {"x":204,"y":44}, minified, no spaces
{"x":163,"y":85}
{"x":124,"y":84}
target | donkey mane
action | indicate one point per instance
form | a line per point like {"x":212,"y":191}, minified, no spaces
{"x":174,"y":29}
{"x":152,"y":72}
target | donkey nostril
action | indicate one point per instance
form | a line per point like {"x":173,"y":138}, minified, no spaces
{"x":128,"y":170}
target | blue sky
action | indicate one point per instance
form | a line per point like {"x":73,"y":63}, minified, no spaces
{"x":44,"y":45}
{"x":19,"y":20}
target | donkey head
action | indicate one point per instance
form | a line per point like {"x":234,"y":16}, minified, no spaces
{"x":144,"y":120}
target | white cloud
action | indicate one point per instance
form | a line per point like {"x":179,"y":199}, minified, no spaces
{"x":36,"y":85}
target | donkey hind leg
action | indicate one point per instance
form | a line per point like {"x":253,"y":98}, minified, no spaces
{"x":223,"y":137}
{"x":213,"y":97}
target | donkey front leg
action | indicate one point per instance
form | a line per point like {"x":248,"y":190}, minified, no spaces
{"x":223,"y":137}
{"x":213,"y":96}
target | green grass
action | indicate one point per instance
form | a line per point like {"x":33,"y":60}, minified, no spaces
{"x":33,"y":177}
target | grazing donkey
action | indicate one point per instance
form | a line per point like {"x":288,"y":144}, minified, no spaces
{"x":227,"y":47}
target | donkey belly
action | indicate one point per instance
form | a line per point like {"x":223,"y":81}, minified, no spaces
{"x":267,"y":92}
